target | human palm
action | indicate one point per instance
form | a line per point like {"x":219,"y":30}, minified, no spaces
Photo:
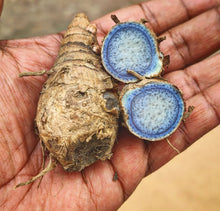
{"x":192,"y":34}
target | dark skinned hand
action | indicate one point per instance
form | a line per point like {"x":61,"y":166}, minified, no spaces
{"x":192,"y":29}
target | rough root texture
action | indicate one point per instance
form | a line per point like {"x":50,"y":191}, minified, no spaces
{"x":76,"y":114}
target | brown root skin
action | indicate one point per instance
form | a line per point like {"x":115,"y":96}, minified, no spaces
{"x":188,"y":112}
{"x":92,"y":28}
{"x":137,"y":75}
{"x":115,"y":177}
{"x":71,"y":121}
{"x":84,"y":177}
{"x":166,"y":60}
{"x":38,"y":73}
{"x":161,"y":39}
{"x":143,"y":21}
{"x":115,"y":19}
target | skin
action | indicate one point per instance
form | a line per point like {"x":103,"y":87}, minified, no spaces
{"x":192,"y":35}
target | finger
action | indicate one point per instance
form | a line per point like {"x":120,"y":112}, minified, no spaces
{"x":162,"y":15}
{"x":204,"y":118}
{"x":193,"y":40}
{"x":198,"y":77}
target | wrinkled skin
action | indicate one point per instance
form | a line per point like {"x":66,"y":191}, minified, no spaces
{"x":188,"y":42}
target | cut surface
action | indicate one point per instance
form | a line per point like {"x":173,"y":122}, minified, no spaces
{"x":131,"y":46}
{"x":152,"y":111}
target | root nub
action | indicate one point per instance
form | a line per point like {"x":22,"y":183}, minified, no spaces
{"x":38,"y":73}
{"x":115,"y":19}
{"x":174,"y":148}
{"x":51,"y":165}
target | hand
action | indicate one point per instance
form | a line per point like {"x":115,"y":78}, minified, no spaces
{"x":192,"y":29}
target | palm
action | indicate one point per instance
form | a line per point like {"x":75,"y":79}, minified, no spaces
{"x":20,"y":150}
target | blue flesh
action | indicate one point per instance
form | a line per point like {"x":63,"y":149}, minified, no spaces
{"x":154,"y":110}
{"x":131,"y":46}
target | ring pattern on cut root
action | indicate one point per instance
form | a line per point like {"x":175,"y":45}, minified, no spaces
{"x":153,"y":110}
{"x":131,"y":46}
